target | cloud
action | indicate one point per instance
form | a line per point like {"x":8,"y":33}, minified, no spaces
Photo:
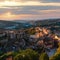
{"x":29,"y":16}
{"x":49,"y":1}
{"x":27,"y":9}
{"x":29,"y":12}
{"x":29,"y":3}
{"x":31,"y":9}
{"x":46,"y":1}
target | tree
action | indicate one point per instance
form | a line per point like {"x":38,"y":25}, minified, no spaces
{"x":55,"y":57}
{"x":4,"y":56}
{"x":27,"y":54}
{"x":43,"y":56}
{"x":22,"y":57}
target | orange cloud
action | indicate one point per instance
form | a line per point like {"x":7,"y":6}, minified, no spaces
{"x":52,"y":10}
{"x":27,"y":3}
{"x":49,"y":11}
{"x":10,"y":16}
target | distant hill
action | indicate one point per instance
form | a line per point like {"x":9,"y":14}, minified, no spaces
{"x":18,"y":24}
{"x":13,"y":24}
{"x":48,"y":22}
{"x":21,"y":21}
{"x":53,"y":24}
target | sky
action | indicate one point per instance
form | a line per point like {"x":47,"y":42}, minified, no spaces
{"x":29,"y":9}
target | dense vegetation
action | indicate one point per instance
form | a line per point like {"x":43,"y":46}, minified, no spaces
{"x":30,"y":54}
{"x":27,"y":54}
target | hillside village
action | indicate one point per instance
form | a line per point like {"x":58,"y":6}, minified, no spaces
{"x":11,"y":40}
{"x":33,"y":35}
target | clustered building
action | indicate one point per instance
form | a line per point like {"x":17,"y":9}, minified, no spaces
{"x":14,"y":40}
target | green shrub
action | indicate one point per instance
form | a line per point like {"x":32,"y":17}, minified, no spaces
{"x":27,"y":54}
{"x":4,"y":56}
{"x":43,"y":56}
{"x":55,"y":57}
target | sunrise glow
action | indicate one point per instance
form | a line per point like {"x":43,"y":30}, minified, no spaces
{"x":29,"y":3}
{"x":9,"y":3}
{"x":8,"y":15}
{"x":29,"y":9}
